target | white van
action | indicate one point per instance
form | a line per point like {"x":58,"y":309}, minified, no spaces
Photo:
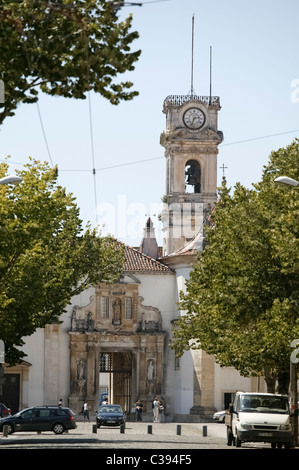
{"x":259,"y":417}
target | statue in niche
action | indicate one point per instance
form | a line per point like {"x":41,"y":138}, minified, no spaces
{"x":90,"y":322}
{"x":150,"y":377}
{"x":81,"y":370}
{"x":116,"y":309}
{"x":150,"y":370}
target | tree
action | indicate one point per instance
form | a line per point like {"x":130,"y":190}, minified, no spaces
{"x":63,"y":48}
{"x":45,"y":256}
{"x":241,"y":303}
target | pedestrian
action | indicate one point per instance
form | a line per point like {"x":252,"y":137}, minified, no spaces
{"x":156,"y":410}
{"x":85,"y":411}
{"x":161,"y":411}
{"x":138,"y":409}
{"x":60,"y":403}
{"x":105,"y":401}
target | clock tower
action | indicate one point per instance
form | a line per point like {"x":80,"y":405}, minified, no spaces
{"x":191,"y":142}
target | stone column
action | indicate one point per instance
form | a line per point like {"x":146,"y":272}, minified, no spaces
{"x":78,"y":371}
{"x":204,"y":379}
{"x":92,"y":378}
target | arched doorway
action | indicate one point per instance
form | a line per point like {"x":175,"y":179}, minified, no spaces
{"x":115,"y":376}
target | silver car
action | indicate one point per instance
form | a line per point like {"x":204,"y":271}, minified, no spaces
{"x":219,"y":416}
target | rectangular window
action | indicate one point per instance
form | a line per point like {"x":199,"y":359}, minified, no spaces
{"x":105,"y":307}
{"x":128,"y":307}
{"x":105,"y":362}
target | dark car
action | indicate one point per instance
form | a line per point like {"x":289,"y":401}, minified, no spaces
{"x":40,"y":418}
{"x":4,"y":411}
{"x":110,"y":415}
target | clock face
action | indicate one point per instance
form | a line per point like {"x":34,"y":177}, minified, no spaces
{"x":194,"y":118}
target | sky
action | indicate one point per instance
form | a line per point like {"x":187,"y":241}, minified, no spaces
{"x":255,"y":72}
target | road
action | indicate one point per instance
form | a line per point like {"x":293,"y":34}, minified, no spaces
{"x":136,"y":436}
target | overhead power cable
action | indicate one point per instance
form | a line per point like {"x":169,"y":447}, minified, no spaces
{"x":44,"y":134}
{"x":160,"y":158}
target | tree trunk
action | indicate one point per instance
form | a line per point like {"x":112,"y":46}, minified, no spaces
{"x":270,"y":380}
{"x":283,"y":382}
{"x":283,"y":379}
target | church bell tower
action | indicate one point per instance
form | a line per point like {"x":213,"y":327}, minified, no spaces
{"x":191,"y":142}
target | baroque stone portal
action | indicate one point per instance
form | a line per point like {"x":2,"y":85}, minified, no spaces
{"x":116,"y":325}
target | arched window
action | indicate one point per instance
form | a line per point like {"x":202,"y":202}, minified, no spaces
{"x":192,"y":177}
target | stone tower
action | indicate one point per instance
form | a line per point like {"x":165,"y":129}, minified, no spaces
{"x":191,"y":142}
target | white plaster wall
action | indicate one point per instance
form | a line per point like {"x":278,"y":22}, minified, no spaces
{"x":184,"y":374}
{"x":228,"y":379}
{"x":183,"y":385}
{"x":158,"y":291}
{"x":34,"y":348}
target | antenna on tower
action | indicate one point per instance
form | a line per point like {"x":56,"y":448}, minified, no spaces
{"x":192,"y":90}
{"x":210,"y":100}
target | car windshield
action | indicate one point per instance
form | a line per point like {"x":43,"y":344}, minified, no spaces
{"x":264,"y":404}
{"x":110,"y":409}
{"x":22,"y":412}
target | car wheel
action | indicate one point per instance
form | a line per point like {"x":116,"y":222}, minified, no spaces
{"x":58,"y":428}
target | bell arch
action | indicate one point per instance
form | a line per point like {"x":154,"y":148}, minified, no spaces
{"x":192,"y":177}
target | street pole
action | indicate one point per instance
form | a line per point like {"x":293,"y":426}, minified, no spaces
{"x":293,"y":388}
{"x":2,"y":359}
{"x":294,"y":344}
{"x":11,"y":179}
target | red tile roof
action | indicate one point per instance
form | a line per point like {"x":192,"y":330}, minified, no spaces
{"x":138,"y":261}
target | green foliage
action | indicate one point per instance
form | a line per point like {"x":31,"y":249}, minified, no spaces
{"x":45,"y":256}
{"x":241,"y":303}
{"x":64,"y":48}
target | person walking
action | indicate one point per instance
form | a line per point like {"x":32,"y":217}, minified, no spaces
{"x":156,"y":410}
{"x":138,"y":409}
{"x":85,"y":412}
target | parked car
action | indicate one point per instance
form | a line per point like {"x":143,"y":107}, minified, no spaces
{"x":4,"y":411}
{"x":110,"y":415}
{"x":40,"y":418}
{"x":219,"y":416}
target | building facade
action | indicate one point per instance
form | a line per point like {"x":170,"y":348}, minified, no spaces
{"x":113,"y":340}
